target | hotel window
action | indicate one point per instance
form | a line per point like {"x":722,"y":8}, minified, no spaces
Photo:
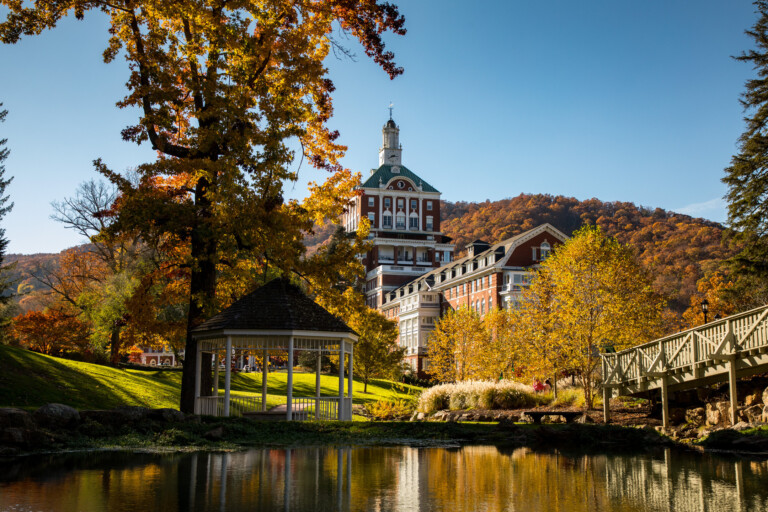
{"x":400,"y":220}
{"x":387,"y":219}
{"x":414,"y":223}
{"x":414,"y":204}
{"x":429,"y":206}
{"x":372,"y":218}
{"x":387,"y":202}
{"x":400,"y":203}
{"x":545,"y":248}
{"x":490,"y":303}
{"x":482,"y":307}
{"x":371,"y":201}
{"x":430,"y":225}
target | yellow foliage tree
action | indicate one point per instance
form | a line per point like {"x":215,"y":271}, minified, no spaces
{"x":454,"y":344}
{"x":497,"y":351}
{"x":600,"y":297}
{"x":714,"y":289}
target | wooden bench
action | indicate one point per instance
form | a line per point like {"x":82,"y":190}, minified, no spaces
{"x":569,"y":416}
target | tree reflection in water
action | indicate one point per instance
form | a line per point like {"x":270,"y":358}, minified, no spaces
{"x":384,"y":479}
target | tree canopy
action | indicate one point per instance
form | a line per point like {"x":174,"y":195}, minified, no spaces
{"x":224,"y":90}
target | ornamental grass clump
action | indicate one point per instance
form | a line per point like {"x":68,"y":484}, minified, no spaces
{"x":503,"y":394}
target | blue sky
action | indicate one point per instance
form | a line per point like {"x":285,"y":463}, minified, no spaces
{"x":618,"y":100}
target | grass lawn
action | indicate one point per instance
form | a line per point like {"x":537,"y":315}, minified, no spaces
{"x":29,"y":380}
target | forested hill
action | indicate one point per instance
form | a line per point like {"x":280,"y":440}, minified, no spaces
{"x":676,"y":248}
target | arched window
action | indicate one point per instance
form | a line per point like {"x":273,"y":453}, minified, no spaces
{"x":387,"y":220}
{"x":482,"y":307}
{"x":400,"y":220}
{"x":545,"y":248}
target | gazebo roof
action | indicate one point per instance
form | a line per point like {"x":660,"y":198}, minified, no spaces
{"x":276,"y":306}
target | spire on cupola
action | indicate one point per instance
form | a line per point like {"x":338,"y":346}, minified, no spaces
{"x":391,"y":150}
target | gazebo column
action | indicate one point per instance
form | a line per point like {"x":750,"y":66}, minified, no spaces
{"x":216,"y":374}
{"x":350,"y":381}
{"x":341,"y":380}
{"x":317,"y":383}
{"x":227,"y":374}
{"x":198,"y":366}
{"x":289,"y":386}
{"x":264,"y":374}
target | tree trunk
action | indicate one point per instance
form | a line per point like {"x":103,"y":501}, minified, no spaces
{"x":114,"y":345}
{"x":202,"y":292}
{"x":365,"y":385}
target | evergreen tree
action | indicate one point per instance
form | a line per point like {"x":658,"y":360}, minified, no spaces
{"x":747,"y":177}
{"x":5,"y":281}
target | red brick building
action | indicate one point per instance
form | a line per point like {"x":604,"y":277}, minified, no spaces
{"x":404,"y":212}
{"x":489,"y":276}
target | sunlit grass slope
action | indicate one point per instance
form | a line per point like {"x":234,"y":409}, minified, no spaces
{"x":29,"y":380}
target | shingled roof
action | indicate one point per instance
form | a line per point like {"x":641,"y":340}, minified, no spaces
{"x":384,"y":174}
{"x":276,"y":306}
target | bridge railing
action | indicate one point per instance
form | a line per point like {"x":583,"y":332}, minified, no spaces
{"x":685,"y":350}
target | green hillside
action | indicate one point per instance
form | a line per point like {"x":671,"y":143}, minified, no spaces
{"x":29,"y":380}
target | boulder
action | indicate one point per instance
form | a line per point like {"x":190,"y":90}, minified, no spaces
{"x":752,"y":414}
{"x":584,"y":418}
{"x":754,"y":398}
{"x":765,"y":396}
{"x":167,"y":415}
{"x":713,"y":415}
{"x":57,"y":416}
{"x":214,"y":434}
{"x":676,"y":415}
{"x":742,"y":425}
{"x":696,"y":416}
{"x":134,"y":414}
{"x":764,"y":417}
{"x":10,"y":417}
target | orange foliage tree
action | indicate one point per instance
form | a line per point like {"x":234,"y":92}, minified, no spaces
{"x":51,"y":332}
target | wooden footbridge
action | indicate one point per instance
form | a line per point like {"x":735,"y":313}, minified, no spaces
{"x":726,"y":349}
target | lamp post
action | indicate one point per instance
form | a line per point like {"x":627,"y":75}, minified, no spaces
{"x":705,"y":309}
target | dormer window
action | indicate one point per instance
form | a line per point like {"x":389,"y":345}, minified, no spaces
{"x":396,"y":170}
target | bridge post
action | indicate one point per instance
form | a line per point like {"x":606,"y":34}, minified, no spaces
{"x":732,"y":388}
{"x":664,"y":402}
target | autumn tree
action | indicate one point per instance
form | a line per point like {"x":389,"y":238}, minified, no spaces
{"x":717,"y":290}
{"x":223,"y":90}
{"x":51,"y":332}
{"x":534,"y":315}
{"x":454,"y":344}
{"x":600,"y":297}
{"x":496,"y":354}
{"x":376,"y":351}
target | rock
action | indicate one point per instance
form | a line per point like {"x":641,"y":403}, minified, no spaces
{"x":214,"y":434}
{"x":676,"y":415}
{"x":57,"y":416}
{"x":13,"y":435}
{"x":584,"y":418}
{"x":102,"y":417}
{"x":133,"y":413}
{"x":752,"y":414}
{"x":765,"y":396}
{"x":167,"y":414}
{"x":742,"y":425}
{"x":713,"y":415}
{"x":753,"y":398}
{"x":12,"y":417}
{"x":414,"y":416}
{"x":420,"y":416}
{"x":696,"y":416}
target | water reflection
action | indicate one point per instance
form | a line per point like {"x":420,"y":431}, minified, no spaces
{"x":384,"y":479}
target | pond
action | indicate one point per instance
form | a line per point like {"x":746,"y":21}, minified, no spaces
{"x":472,"y":478}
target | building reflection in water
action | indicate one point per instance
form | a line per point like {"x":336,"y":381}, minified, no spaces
{"x":385,"y":479}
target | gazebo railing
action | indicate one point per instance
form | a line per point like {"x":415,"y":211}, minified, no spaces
{"x":323,"y":408}
{"x":210,"y":405}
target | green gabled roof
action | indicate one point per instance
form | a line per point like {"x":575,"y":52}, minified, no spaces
{"x":385,"y":174}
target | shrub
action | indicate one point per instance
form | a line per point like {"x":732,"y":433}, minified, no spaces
{"x":383,"y":410}
{"x":483,"y":394}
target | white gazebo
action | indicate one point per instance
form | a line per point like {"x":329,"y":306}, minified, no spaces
{"x":278,"y":317}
